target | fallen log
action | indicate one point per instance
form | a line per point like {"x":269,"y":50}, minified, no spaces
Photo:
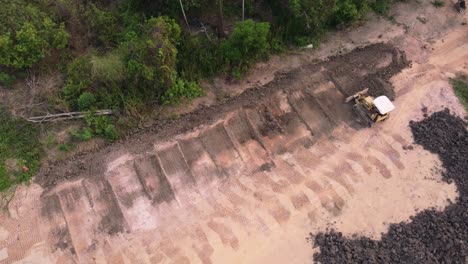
{"x":66,"y":116}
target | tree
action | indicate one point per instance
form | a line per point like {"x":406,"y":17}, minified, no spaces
{"x":27,"y":34}
{"x":249,"y":41}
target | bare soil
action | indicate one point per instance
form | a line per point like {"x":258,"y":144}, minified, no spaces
{"x":281,"y":157}
{"x":432,"y":236}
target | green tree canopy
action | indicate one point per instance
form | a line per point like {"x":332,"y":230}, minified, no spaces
{"x":248,"y":42}
{"x":27,"y":34}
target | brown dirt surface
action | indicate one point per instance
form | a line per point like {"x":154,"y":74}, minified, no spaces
{"x":432,"y":236}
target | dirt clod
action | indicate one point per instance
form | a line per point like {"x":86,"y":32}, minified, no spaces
{"x":431,"y":236}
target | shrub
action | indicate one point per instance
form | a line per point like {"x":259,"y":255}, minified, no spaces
{"x":198,"y":57}
{"x":107,"y":68}
{"x":110,"y":132}
{"x":460,"y":86}
{"x":86,"y":101}
{"x":248,"y":42}
{"x":438,"y":3}
{"x":181,"y":89}
{"x":19,"y":142}
{"x":140,"y":69}
{"x":151,"y":57}
{"x":101,"y":126}
{"x":345,"y":12}
{"x":6,"y":79}
{"x":84,"y":135}
{"x":65,"y":147}
{"x":381,"y":6}
{"x":78,"y":80}
{"x":103,"y":25}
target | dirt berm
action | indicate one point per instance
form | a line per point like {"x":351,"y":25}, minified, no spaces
{"x":431,"y":236}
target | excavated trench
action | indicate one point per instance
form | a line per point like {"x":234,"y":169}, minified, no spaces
{"x":431,"y":236}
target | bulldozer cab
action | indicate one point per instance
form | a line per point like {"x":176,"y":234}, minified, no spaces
{"x":383,"y":105}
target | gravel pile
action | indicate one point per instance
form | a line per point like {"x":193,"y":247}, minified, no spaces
{"x":431,"y":236}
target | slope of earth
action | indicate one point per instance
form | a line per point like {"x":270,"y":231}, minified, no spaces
{"x":266,"y":165}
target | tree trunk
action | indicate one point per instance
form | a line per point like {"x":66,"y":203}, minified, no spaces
{"x":183,"y":12}
{"x":220,"y":19}
{"x":243,"y":10}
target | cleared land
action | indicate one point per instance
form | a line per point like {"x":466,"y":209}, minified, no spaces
{"x":245,"y":181}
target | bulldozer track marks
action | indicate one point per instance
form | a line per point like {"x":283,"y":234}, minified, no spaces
{"x":294,"y":181}
{"x":251,"y":171}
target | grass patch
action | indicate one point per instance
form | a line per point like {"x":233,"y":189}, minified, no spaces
{"x":20,"y":151}
{"x":460,"y":86}
{"x":438,"y":3}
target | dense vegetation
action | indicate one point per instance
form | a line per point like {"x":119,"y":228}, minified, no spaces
{"x":124,"y":54}
{"x":20,"y":150}
{"x":130,"y":54}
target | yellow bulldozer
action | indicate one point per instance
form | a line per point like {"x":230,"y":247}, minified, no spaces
{"x":369,"y":109}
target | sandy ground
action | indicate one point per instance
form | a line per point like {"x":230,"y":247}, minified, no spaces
{"x":228,"y":193}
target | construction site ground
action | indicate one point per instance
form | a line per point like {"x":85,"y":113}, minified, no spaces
{"x":245,"y":180}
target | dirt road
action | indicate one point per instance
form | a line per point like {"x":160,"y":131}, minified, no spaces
{"x":246,"y":180}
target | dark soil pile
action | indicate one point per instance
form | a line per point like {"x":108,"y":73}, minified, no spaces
{"x":431,"y":236}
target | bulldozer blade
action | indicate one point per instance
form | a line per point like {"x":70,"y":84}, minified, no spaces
{"x":349,"y":98}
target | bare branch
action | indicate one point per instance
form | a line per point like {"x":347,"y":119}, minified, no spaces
{"x":66,"y":116}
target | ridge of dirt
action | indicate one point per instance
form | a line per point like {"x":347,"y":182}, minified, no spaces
{"x":340,"y":68}
{"x":431,"y":236}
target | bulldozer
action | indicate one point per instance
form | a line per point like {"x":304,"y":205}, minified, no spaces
{"x":371,"y":110}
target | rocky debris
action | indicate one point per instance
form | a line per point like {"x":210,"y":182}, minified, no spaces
{"x":431,"y":236}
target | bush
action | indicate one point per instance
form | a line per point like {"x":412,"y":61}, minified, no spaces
{"x":101,"y":126}
{"x":103,"y":25}
{"x":345,"y":12}
{"x":142,"y":68}
{"x":198,"y":57}
{"x":460,"y":86}
{"x":107,"y":68}
{"x":78,"y":80}
{"x":381,"y":6}
{"x":438,"y":3}
{"x":86,"y":101}
{"x":84,"y":135}
{"x":151,"y":57}
{"x":66,"y":147}
{"x":181,"y":89}
{"x":27,"y":34}
{"x":20,"y":150}
{"x":248,"y":42}
{"x":7,"y":79}
{"x":111,"y":133}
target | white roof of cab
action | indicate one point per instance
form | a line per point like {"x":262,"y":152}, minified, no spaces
{"x":383,"y":104}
